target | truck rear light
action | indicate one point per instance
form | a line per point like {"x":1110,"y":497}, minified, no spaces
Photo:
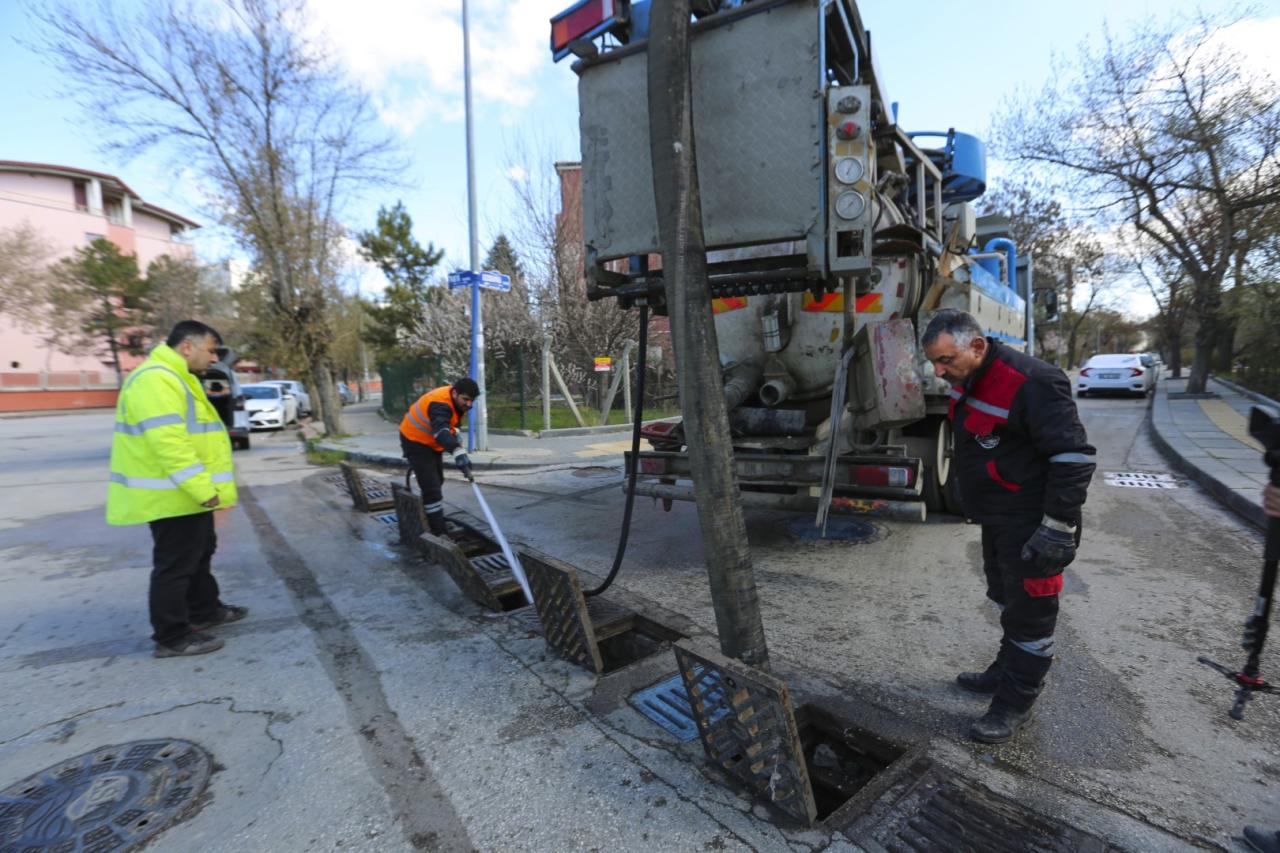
{"x":1085,"y":371}
{"x":881,"y":475}
{"x":238,"y":405}
{"x":585,"y":20}
{"x":1136,"y":371}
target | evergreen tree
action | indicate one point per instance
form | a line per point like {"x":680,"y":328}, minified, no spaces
{"x":396,"y":324}
{"x":108,"y":299}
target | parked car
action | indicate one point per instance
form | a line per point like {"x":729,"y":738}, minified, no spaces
{"x":270,"y":406}
{"x":227,"y":396}
{"x":297,"y":389}
{"x":345,"y":394}
{"x":1122,"y":373}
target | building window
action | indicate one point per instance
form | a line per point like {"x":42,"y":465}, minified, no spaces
{"x":81,"y":191}
{"x":114,"y":210}
{"x":89,"y":236}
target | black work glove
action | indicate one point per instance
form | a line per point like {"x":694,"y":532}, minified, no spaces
{"x":464,"y":464}
{"x":1052,"y":547}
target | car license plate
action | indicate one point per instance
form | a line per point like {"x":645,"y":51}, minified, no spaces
{"x":1108,"y":375}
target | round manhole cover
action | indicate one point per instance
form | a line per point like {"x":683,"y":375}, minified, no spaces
{"x":113,"y":797}
{"x":592,"y":471}
{"x":840,"y":528}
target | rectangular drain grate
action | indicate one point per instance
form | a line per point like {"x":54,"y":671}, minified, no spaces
{"x":667,"y":704}
{"x":1140,"y":480}
{"x":386,"y":518}
{"x":930,"y":807}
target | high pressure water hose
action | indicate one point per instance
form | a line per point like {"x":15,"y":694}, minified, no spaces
{"x":635,"y":453}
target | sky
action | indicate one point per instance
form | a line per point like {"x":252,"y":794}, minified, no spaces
{"x":948,"y":64}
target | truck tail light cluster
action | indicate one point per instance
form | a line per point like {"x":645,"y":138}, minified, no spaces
{"x":238,"y":405}
{"x":1085,"y":371}
{"x":882,"y":475}
{"x":585,"y":20}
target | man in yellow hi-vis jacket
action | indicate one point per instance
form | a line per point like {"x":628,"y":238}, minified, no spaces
{"x":170,"y":468}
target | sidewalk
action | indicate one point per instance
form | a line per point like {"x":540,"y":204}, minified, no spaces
{"x":1207,"y":438}
{"x":374,"y":441}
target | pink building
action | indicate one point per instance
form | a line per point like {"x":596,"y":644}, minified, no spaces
{"x":70,"y":208}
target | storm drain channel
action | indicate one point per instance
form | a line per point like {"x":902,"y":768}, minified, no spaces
{"x":813,"y":768}
{"x":113,"y":797}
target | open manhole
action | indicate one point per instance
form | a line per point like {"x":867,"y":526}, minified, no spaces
{"x":805,"y":763}
{"x":113,"y":797}
{"x":840,"y":528}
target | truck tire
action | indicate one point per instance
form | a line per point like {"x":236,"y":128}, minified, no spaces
{"x":939,"y":489}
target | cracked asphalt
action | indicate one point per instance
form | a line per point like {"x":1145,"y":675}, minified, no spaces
{"x":367,"y":705}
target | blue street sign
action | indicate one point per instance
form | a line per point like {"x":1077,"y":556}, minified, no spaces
{"x":490,"y":279}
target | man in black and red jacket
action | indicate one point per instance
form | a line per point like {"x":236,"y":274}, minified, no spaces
{"x":1024,"y":464}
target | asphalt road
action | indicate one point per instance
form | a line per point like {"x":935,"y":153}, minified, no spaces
{"x":366,"y":705}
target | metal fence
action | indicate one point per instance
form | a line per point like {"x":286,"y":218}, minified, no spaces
{"x":403,"y":382}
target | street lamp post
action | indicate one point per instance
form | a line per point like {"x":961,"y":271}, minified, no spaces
{"x":477,"y":425}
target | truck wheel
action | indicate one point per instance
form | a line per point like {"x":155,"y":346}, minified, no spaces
{"x":242,"y":443}
{"x":938,"y":474}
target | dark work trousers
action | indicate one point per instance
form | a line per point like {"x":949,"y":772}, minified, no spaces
{"x":1029,"y":598}
{"x":428,"y":468}
{"x":182,"y":586}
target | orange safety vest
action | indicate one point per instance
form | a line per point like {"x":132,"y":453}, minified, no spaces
{"x":416,"y":424}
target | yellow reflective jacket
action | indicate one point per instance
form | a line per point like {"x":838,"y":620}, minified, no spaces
{"x":170,"y":452}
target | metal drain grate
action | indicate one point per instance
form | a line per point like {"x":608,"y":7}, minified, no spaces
{"x":1140,"y":480}
{"x":930,"y":807}
{"x":386,"y":518}
{"x":667,"y":704}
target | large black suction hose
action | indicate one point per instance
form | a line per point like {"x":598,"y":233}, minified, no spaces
{"x":635,"y":452}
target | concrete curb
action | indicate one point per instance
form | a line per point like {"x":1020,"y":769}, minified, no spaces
{"x":1170,"y":441}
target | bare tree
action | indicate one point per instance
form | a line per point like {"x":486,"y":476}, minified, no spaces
{"x":547,"y":232}
{"x":181,"y":289}
{"x":1167,"y":130}
{"x":235,"y":90}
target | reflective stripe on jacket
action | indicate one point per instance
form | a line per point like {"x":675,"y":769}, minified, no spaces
{"x":433,"y":421}
{"x":170,"y":451}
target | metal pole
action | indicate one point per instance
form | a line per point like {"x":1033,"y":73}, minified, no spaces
{"x":478,"y":423}
{"x":678,"y":205}
{"x":546,"y":382}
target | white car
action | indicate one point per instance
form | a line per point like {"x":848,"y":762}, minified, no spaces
{"x":269,"y":406}
{"x":1120,"y":373}
{"x":297,"y":389}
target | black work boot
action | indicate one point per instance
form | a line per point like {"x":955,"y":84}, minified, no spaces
{"x":981,"y":682}
{"x":1262,"y":840}
{"x":435,"y":521}
{"x":1001,"y":722}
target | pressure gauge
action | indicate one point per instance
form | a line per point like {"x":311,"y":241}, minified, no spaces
{"x":849,"y":170}
{"x":850,"y":204}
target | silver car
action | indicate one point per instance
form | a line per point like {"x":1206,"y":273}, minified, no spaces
{"x":1117,"y":373}
{"x":297,"y":389}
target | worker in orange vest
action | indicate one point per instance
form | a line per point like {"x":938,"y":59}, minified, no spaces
{"x":428,"y":431}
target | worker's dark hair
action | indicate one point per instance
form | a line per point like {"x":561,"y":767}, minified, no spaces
{"x":961,"y":325}
{"x":467,"y":387}
{"x":191,"y":329}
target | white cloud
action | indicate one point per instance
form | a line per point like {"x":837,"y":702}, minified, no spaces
{"x":408,"y":53}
